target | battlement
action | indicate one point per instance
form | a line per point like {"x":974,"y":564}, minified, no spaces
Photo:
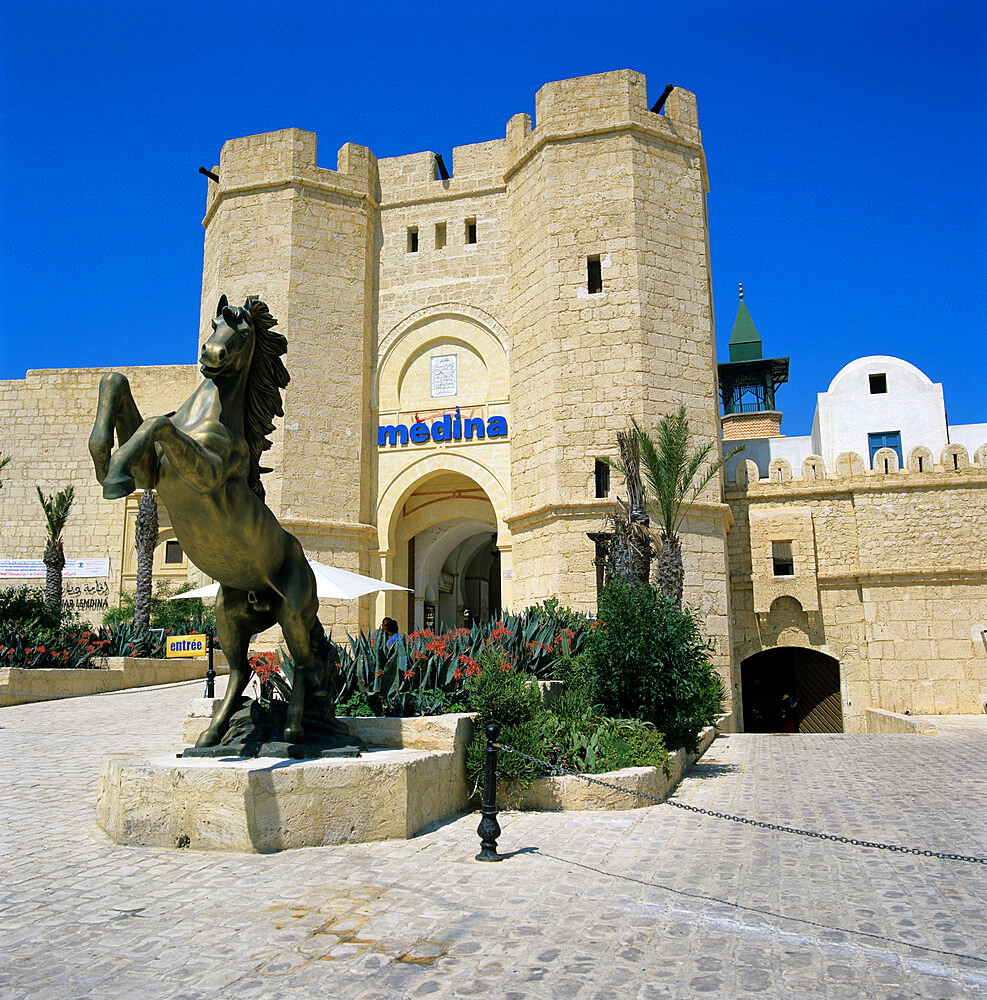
{"x":271,"y":159}
{"x":586,"y":105}
{"x":920,"y":468}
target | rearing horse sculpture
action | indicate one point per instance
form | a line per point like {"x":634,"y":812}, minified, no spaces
{"x":204,"y":461}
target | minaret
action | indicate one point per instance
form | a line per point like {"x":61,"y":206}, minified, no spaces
{"x":748,"y":382}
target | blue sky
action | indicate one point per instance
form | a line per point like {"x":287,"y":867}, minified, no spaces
{"x":845,"y":143}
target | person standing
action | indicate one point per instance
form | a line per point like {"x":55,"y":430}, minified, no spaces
{"x":392,"y":635}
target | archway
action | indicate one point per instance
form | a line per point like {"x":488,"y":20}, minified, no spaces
{"x":791,"y":689}
{"x":445,"y":534}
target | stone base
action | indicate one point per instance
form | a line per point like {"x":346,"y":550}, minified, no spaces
{"x":256,"y":730}
{"x":263,"y":805}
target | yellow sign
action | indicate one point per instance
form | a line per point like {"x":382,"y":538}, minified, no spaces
{"x":186,"y":645}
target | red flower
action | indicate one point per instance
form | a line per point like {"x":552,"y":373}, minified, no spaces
{"x":473,"y":669}
{"x":408,"y":674}
{"x":457,"y":673}
{"x":379,"y":673}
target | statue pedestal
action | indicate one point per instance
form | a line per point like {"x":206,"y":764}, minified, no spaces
{"x":260,"y":805}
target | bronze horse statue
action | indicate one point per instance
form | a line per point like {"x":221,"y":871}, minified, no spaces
{"x":204,"y":461}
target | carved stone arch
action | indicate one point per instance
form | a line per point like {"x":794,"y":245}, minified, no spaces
{"x":813,"y":468}
{"x":746,"y":473}
{"x":411,"y":477}
{"x":920,"y":460}
{"x":885,"y":461}
{"x":780,"y":471}
{"x":440,"y":513}
{"x":391,"y":344}
{"x":955,"y":458}
{"x":980,"y":456}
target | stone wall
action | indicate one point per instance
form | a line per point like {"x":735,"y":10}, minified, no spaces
{"x":890,"y":579}
{"x":45,"y":420}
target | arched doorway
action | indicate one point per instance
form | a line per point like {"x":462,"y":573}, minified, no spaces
{"x":446,"y":548}
{"x":791,"y":689}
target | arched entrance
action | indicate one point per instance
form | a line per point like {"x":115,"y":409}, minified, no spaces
{"x":445,"y":547}
{"x":791,"y":689}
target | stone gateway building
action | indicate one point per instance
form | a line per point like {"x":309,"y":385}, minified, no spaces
{"x":463,"y":344}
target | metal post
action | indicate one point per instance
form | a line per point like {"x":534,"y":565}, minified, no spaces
{"x":210,"y":672}
{"x":489,"y":828}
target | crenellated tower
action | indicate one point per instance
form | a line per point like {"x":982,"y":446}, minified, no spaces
{"x":306,"y":240}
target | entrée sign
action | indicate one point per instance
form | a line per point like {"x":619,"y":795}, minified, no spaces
{"x":449,"y":428}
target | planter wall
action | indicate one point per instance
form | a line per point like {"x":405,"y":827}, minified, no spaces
{"x":563,"y":792}
{"x":20,"y":686}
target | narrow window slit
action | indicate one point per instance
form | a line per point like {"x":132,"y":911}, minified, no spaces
{"x":594,"y":275}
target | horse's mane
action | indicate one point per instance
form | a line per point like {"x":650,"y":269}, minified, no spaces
{"x":265,"y":380}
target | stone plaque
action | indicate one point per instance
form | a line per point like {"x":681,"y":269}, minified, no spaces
{"x":444,"y":380}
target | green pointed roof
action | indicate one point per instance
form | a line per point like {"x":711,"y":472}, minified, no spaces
{"x":745,"y":342}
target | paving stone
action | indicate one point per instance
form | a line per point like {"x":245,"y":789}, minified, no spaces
{"x":650,"y":904}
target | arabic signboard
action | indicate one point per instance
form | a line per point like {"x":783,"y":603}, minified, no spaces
{"x":35,"y":569}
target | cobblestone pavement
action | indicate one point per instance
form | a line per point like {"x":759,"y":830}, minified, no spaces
{"x":644,"y":904}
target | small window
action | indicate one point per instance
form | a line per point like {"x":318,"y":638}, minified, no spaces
{"x":781,"y":556}
{"x":440,"y":235}
{"x":173,"y":553}
{"x":594,"y":276}
{"x":471,"y":230}
{"x":602,"y":472}
{"x":878,"y":383}
{"x":412,"y":239}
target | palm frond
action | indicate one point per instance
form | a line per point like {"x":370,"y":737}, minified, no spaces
{"x":673,"y":476}
{"x":56,"y":508}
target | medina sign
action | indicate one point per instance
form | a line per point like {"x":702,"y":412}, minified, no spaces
{"x":448,"y":428}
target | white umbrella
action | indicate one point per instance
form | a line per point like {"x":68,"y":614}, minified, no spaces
{"x":331,"y":583}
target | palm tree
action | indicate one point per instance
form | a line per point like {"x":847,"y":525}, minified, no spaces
{"x":56,"y":509}
{"x":673,"y":479}
{"x":4,"y":459}
{"x":630,"y":549}
{"x":146,"y":530}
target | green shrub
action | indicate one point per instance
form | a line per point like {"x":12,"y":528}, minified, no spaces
{"x":188,"y":617}
{"x":629,"y":743}
{"x":503,"y":695}
{"x":21,"y":606}
{"x":652,"y":662}
{"x":355,"y":704}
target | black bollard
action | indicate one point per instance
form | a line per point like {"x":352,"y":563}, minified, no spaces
{"x":210,"y":672}
{"x":489,"y":828}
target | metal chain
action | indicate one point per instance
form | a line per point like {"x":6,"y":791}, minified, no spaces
{"x":743,"y":819}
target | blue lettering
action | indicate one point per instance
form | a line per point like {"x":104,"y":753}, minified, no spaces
{"x":474,"y":426}
{"x":419,"y":433}
{"x":442,"y":429}
{"x":400,"y":432}
{"x":497,"y":427}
